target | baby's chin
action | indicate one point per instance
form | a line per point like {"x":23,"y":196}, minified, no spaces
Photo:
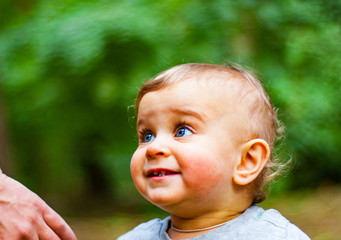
{"x":162,"y":201}
{"x":170,"y":204}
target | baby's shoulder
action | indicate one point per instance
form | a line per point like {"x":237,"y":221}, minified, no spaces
{"x":147,"y":230}
{"x":272,"y":223}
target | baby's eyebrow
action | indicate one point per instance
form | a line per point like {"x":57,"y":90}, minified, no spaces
{"x":188,"y":111}
{"x":183,"y":111}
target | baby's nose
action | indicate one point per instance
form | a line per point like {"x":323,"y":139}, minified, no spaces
{"x":157,"y":149}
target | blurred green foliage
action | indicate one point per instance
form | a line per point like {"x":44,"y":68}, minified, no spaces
{"x":70,"y":70}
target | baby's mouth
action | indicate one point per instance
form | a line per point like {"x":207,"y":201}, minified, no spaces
{"x":160,"y":172}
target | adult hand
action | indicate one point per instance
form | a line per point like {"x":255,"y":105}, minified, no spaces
{"x":25,"y":216}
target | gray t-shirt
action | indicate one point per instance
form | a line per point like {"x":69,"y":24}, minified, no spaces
{"x":255,"y":223}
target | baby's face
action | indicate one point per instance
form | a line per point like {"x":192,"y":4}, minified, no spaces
{"x":187,"y":149}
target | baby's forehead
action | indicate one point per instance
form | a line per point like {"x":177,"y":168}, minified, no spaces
{"x":214,"y":92}
{"x":227,"y":83}
{"x":209,"y":101}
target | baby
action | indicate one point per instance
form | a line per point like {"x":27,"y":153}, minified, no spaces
{"x":206,"y":138}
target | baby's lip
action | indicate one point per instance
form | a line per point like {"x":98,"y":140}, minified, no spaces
{"x":160,"y":172}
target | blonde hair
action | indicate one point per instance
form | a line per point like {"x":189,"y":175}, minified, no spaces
{"x":261,"y":120}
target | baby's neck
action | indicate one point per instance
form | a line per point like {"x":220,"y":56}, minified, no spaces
{"x":199,"y":225}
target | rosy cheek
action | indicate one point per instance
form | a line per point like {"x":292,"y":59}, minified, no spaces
{"x":136,"y":165}
{"x":202,"y":173}
{"x":133,"y":168}
{"x":137,"y":175}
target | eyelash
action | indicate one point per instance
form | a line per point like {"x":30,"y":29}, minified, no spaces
{"x":142,"y":133}
{"x":183,"y":124}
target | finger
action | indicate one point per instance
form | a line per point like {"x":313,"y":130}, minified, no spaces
{"x":46,"y":233}
{"x":58,"y":225}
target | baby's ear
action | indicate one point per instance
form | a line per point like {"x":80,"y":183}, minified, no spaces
{"x":255,"y":155}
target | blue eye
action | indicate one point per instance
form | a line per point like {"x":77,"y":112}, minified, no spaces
{"x":148,"y":137}
{"x":183,"y":132}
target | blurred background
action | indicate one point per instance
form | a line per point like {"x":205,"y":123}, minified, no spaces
{"x":70,"y":70}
